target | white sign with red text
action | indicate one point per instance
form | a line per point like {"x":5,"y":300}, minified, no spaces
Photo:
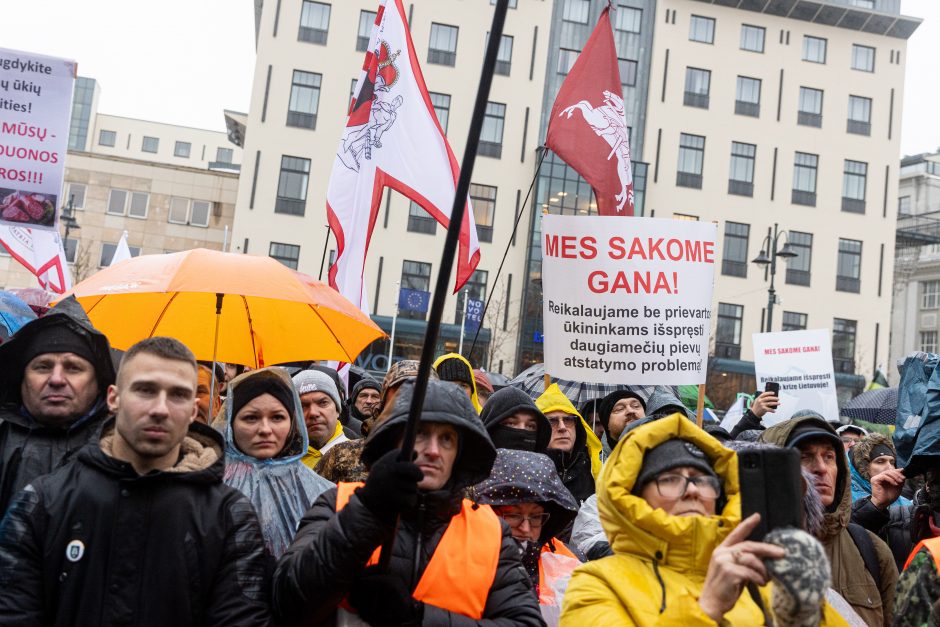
{"x":801,"y":362}
{"x":627,"y":301}
{"x":35,"y":105}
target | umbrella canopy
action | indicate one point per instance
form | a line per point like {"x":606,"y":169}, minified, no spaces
{"x":688,"y":394}
{"x":532,"y":382}
{"x":270,"y":314}
{"x":876,"y":406}
{"x":14,"y":313}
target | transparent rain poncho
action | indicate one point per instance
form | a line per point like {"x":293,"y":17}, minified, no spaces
{"x":281,"y":489}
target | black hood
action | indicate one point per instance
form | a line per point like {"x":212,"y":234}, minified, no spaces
{"x":506,"y":402}
{"x":67,"y":314}
{"x":524,"y":477}
{"x":445,"y":403}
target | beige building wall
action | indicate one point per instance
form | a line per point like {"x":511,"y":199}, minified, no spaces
{"x":778,"y":137}
{"x":267,"y":138}
{"x":93,"y":178}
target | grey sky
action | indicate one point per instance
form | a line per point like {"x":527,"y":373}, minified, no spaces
{"x":184,"y":61}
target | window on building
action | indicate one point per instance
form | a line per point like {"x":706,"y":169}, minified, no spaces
{"x":420,"y":221}
{"x":863,"y":58}
{"x":741,"y":172}
{"x":107,"y":138}
{"x":107,"y":253}
{"x":747,"y":96}
{"x":576,"y":11}
{"x":442,"y":48}
{"x":804,"y":179}
{"x":702,"y":29}
{"x":793,"y":321}
{"x":314,"y":22}
{"x":191,"y":212}
{"x":904,"y":206}
{"x":483,"y":201}
{"x":133,"y":204}
{"x":292,"y":186}
{"x":728,"y":331}
{"x":150,"y":144}
{"x":474,"y":288}
{"x":71,"y":249}
{"x":441,"y":103}
{"x":929,"y":294}
{"x":691,"y":159}
{"x":76,"y":195}
{"x":182,"y":149}
{"x":199,"y":216}
{"x":810,"y":112}
{"x":627,"y":19}
{"x":366,"y":22}
{"x":814,"y":49}
{"x":798,"y":268}
{"x":734,"y":261}
{"x":304,"y":99}
{"x":117,"y":202}
{"x":854,"y":178}
{"x":627,"y":72}
{"x":138,"y":205}
{"x":928,"y":341}
{"x":849,"y":266}
{"x":504,"y":56}
{"x":288,"y":254}
{"x":224,"y":155}
{"x":566,"y":59}
{"x":697,"y":84}
{"x":415,"y":275}
{"x":752,"y":38}
{"x":179,"y":210}
{"x":491,"y":136}
{"x":843,"y":345}
{"x":859,"y":115}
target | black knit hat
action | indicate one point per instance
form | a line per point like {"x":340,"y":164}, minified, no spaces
{"x":608,"y":402}
{"x":58,"y":339}
{"x":455,"y":370}
{"x":262,"y":383}
{"x":672,"y":454}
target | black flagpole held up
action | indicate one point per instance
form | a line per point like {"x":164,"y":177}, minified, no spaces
{"x":442,"y":286}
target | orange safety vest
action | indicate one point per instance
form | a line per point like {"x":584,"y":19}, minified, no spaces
{"x":932,"y":545}
{"x":462,"y":569}
{"x":546,"y":594}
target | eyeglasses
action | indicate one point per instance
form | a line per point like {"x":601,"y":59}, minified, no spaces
{"x":556,"y":422}
{"x":674,"y":486}
{"x":535,"y":521}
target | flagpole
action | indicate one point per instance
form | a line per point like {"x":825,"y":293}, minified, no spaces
{"x":326,"y":243}
{"x":450,"y":247}
{"x":463,"y":320}
{"x":391,"y":339}
{"x":515,"y":227}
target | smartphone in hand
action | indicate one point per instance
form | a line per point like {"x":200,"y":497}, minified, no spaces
{"x":772,"y":486}
{"x":773,"y":387}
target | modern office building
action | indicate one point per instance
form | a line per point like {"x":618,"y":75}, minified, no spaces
{"x":761,"y":113}
{"x":170,"y":187}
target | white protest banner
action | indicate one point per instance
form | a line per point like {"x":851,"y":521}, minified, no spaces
{"x":801,"y":362}
{"x":627,"y":301}
{"x":35,"y":105}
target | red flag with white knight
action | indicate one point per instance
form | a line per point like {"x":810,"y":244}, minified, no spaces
{"x":392,"y":139}
{"x":588,"y":124}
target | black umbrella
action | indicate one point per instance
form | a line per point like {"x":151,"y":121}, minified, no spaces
{"x":876,"y":406}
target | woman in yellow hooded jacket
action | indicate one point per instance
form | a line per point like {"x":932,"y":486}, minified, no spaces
{"x":689,"y":565}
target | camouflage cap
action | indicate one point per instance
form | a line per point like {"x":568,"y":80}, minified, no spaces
{"x":402,"y":371}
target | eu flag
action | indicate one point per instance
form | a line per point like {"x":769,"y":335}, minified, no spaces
{"x":413,"y":300}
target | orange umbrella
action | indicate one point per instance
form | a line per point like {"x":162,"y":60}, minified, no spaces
{"x":268,"y":313}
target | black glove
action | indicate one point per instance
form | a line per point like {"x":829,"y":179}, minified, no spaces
{"x":384,"y":599}
{"x":392,"y":486}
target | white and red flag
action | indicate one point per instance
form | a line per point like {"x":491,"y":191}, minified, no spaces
{"x":392,"y":139}
{"x":588,"y":124}
{"x":40,"y":252}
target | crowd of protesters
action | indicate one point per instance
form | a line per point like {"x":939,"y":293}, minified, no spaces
{"x":136,"y":491}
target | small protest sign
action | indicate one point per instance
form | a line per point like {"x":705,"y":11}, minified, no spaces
{"x":35,"y":104}
{"x":474,"y":315}
{"x":801,"y":362}
{"x":627,"y":300}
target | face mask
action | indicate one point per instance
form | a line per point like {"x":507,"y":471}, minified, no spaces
{"x":509,"y":437}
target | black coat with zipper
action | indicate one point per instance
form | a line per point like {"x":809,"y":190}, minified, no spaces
{"x":94,"y":543}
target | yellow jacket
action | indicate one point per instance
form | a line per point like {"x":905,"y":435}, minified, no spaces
{"x":314,"y":454}
{"x":658,"y":568}
{"x":473,"y":382}
{"x":553,"y":399}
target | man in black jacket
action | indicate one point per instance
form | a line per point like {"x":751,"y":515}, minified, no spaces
{"x":53,"y":377}
{"x":138,"y":529}
{"x":453,"y":562}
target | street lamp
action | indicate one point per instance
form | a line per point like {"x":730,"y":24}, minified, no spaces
{"x":67,"y":218}
{"x":768,"y":255}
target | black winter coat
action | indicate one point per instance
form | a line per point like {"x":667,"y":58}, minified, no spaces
{"x":330,"y":551}
{"x":97,"y":544}
{"x":893,"y":525}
